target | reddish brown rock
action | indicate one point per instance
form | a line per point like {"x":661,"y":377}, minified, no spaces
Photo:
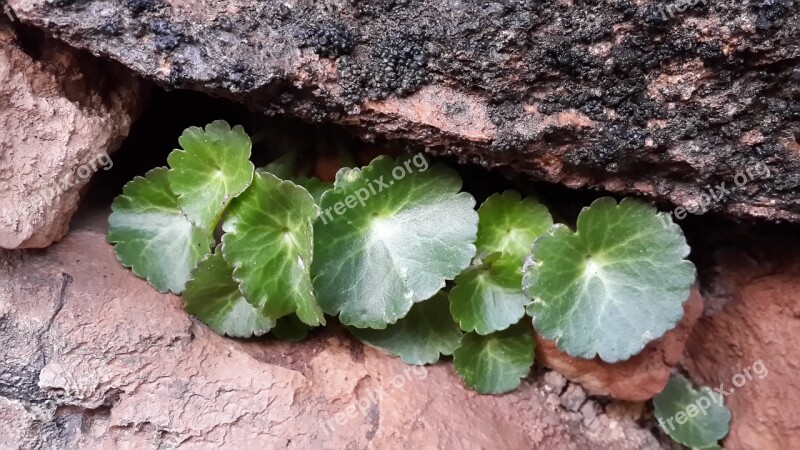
{"x":638,"y":378}
{"x":61,"y":115}
{"x":750,"y":336}
{"x":92,"y":357}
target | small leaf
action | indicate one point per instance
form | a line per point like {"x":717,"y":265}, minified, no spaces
{"x":704,"y":419}
{"x":213,"y":296}
{"x":509,"y":225}
{"x":489,"y":297}
{"x":614,"y":285}
{"x":314,"y":186}
{"x":419,"y":338}
{"x":213,"y":168}
{"x":151,"y":234}
{"x":290,"y":328}
{"x":269,"y":242}
{"x":496,"y":363}
{"x":390,"y":234}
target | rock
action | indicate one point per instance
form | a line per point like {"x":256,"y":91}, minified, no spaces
{"x":62,"y":114}
{"x":573,"y":397}
{"x":747,"y":342}
{"x":617,"y":96}
{"x":638,"y":378}
{"x":555,"y":381}
{"x":93,"y":357}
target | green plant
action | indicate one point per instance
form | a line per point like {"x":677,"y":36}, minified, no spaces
{"x":697,"y":419}
{"x":401,"y":256}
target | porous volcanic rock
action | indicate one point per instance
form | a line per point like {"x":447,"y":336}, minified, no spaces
{"x":62,"y":113}
{"x":653,"y":98}
{"x":636,"y":379}
{"x":93,"y":357}
{"x":747,"y":342}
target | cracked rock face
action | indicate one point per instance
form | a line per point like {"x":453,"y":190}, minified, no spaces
{"x":93,"y":357}
{"x":641,"y":97}
{"x":61,"y":114}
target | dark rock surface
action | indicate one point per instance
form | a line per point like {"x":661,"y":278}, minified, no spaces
{"x":649,"y":98}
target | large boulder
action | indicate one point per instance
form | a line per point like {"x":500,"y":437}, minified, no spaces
{"x":746,"y":344}
{"x":93,"y":357}
{"x":62,"y":113}
{"x":684,"y":103}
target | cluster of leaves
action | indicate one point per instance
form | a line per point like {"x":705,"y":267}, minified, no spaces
{"x":412,"y":269}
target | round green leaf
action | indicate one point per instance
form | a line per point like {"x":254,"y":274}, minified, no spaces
{"x":509,"y":225}
{"x":489,"y":297}
{"x":213,"y":168}
{"x":614,"y":285}
{"x":496,"y":363}
{"x":419,"y":338}
{"x":389,"y":235}
{"x":269,"y":242}
{"x":151,"y":234}
{"x":214,"y":297}
{"x":694,"y":418}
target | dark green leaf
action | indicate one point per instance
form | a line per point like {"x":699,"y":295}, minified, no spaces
{"x":290,"y":328}
{"x":269,"y":242}
{"x":495,"y":363}
{"x":214,"y":297}
{"x":488,"y":297}
{"x":419,"y":338}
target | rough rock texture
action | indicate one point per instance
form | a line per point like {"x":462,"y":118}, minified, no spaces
{"x":753,"y":314}
{"x":644,"y":97}
{"x":637,"y":379}
{"x":92,"y":357}
{"x":61,"y":114}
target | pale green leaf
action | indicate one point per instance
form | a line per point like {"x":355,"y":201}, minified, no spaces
{"x":214,"y":297}
{"x":269,"y":242}
{"x":212,"y":169}
{"x":694,"y":418}
{"x":151,"y":234}
{"x":386,"y":241}
{"x":419,"y":338}
{"x":509,"y":225}
{"x":488,"y":297}
{"x":614,"y":285}
{"x":495,"y":363}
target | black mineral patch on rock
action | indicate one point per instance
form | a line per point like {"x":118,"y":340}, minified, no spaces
{"x":140,"y":6}
{"x":328,"y":40}
{"x":396,"y":66}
